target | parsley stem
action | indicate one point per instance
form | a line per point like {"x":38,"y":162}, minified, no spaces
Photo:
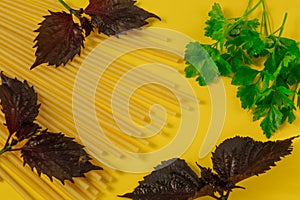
{"x":281,"y":27}
{"x":265,"y":20}
{"x":248,"y":7}
{"x":65,"y":5}
{"x":245,"y":15}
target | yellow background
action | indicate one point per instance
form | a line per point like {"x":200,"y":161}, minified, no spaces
{"x":189,"y":17}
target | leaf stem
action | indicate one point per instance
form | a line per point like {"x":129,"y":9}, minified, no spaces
{"x":245,"y":15}
{"x":65,"y":5}
{"x":7,"y":141}
{"x":266,"y":20}
{"x":248,"y":7}
{"x":7,"y":148}
{"x":16,"y":149}
{"x":249,"y":11}
{"x":227,"y":195}
{"x":281,"y":27}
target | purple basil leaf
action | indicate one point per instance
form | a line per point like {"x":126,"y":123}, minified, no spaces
{"x":112,"y":17}
{"x":213,"y":183}
{"x":211,"y":180}
{"x":59,"y":39}
{"x":239,"y":158}
{"x":173,"y":179}
{"x":86,"y":25}
{"x":57,"y":156}
{"x":19,"y":104}
{"x":27,"y":130}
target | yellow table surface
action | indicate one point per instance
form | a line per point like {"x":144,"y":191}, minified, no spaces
{"x":188,"y":17}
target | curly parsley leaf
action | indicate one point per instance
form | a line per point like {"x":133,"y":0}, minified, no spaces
{"x":250,"y":41}
{"x":242,"y":25}
{"x":57,"y":156}
{"x":283,"y":99}
{"x":234,"y":160}
{"x":216,"y":25}
{"x":272,"y":121}
{"x":200,"y":64}
{"x":19,"y":104}
{"x":275,"y":106}
{"x":247,"y":95}
{"x":244,"y":76}
{"x":221,"y":65}
{"x":112,"y":17}
{"x":263,"y":65}
{"x":59,"y":39}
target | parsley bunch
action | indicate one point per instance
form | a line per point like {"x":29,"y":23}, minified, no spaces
{"x":264,"y":65}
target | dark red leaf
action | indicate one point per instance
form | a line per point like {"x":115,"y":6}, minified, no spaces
{"x":27,"y":130}
{"x":234,"y":160}
{"x":19,"y":103}
{"x":213,"y":183}
{"x":58,"y":41}
{"x":210,"y":180}
{"x":57,"y":156}
{"x":239,"y":158}
{"x":86,"y":25}
{"x":112,"y":17}
{"x":173,"y":179}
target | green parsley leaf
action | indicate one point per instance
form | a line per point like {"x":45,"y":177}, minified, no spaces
{"x":272,"y":121}
{"x":267,"y":78}
{"x":268,"y":86}
{"x":247,"y":95}
{"x":243,"y":25}
{"x":288,"y":115}
{"x":260,"y":111}
{"x":244,"y":76}
{"x":200,"y":63}
{"x":190,"y":71}
{"x":251,"y":42}
{"x":283,"y":97}
{"x":217,"y":25}
{"x":201,"y":81}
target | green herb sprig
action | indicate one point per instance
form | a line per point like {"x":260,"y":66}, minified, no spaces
{"x":262,"y":63}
